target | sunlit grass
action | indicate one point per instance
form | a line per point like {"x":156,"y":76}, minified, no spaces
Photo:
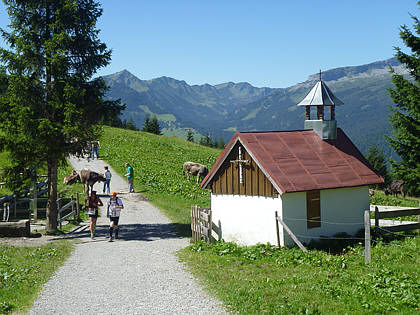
{"x":24,"y":270}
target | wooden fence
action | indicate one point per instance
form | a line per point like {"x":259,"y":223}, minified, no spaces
{"x":201,"y":224}
{"x":74,"y":205}
{"x":10,"y":209}
{"x":388,"y":229}
{"x":394,"y":214}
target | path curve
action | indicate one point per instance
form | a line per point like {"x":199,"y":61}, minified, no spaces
{"x":137,"y":274}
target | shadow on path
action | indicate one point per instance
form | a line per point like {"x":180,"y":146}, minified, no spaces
{"x":135,"y":232}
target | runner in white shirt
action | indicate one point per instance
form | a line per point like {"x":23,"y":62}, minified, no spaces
{"x":115,"y":205}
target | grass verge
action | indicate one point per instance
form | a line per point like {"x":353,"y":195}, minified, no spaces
{"x":24,"y":270}
{"x":263,"y":279}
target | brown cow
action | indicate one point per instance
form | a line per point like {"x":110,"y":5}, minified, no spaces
{"x":195,"y":169}
{"x":87,"y":177}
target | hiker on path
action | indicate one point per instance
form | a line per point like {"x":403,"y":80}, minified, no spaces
{"x":93,"y":203}
{"x":130,"y":176}
{"x":95,"y":148}
{"x":107,"y":175}
{"x":115,"y":205}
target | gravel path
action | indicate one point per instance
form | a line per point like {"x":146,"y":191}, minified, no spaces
{"x":136,"y":274}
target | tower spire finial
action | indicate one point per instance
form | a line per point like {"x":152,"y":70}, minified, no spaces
{"x":320,"y":75}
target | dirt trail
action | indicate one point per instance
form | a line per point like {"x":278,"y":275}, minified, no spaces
{"x":136,"y":274}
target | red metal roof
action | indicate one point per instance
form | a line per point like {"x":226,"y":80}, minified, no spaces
{"x":300,"y":160}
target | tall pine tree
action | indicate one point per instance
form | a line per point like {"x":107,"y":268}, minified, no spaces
{"x":376,"y":158}
{"x":405,"y":116}
{"x":51,"y":105}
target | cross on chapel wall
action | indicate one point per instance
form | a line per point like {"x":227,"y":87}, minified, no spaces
{"x":240,"y":162}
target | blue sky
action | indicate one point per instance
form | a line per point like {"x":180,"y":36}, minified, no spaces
{"x":266,"y":43}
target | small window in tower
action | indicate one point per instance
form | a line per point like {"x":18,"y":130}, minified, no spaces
{"x":327,"y":112}
{"x":313,"y":209}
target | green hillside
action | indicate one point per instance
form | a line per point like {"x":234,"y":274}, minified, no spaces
{"x":157,"y":162}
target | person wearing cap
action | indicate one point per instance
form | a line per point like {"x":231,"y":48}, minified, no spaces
{"x":93,"y":202}
{"x":115,"y":205}
{"x":130,"y":176}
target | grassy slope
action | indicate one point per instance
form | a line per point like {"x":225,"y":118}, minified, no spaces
{"x":157,"y":163}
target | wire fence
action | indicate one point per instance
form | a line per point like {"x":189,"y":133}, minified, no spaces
{"x":367,"y":224}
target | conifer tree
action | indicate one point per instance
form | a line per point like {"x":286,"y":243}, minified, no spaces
{"x":51,"y":105}
{"x":221,"y":144}
{"x":154,"y":126}
{"x":376,"y":158}
{"x":146,"y":126}
{"x":405,"y":116}
{"x":190,"y":136}
{"x":131,"y":124}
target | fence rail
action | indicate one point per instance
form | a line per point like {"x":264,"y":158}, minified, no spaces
{"x":10,"y":209}
{"x":394,"y":214}
{"x":389,"y":229}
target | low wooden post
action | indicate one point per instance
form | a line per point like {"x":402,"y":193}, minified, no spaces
{"x":35,"y":202}
{"x":195,"y":224}
{"x":277,"y":231}
{"x":15,"y":209}
{"x":58,"y":211}
{"x":78,"y":206}
{"x":73,"y":207}
{"x":219,"y":232}
{"x":376,"y":216}
{"x":293,"y":236}
{"x":418,"y":220}
{"x":368,"y":253}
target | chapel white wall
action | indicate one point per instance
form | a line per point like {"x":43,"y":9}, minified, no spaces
{"x":342,"y":210}
{"x":246,"y":220}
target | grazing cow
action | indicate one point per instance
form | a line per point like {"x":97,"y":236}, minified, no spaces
{"x":195,"y":169}
{"x":396,"y":187}
{"x":71,"y":179}
{"x":89,"y":178}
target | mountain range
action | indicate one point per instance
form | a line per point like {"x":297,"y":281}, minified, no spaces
{"x":220,"y":110}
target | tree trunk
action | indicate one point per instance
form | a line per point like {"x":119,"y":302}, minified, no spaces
{"x":52,"y":211}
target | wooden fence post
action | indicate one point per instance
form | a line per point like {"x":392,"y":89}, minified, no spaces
{"x":73,"y":207}
{"x":77,"y":207}
{"x":35,"y":200}
{"x":376,"y":216}
{"x":368,"y":253}
{"x":194,"y":228}
{"x":293,"y":236}
{"x":277,"y":231}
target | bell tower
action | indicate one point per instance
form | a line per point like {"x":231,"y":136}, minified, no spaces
{"x":321,"y":96}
